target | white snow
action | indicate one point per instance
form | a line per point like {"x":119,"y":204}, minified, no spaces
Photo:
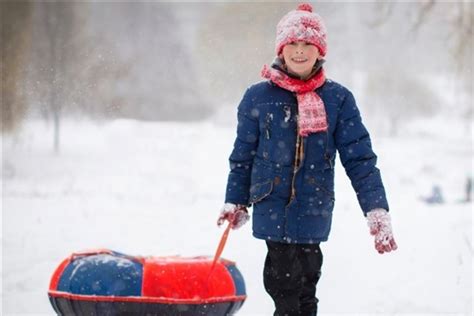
{"x":157,"y":188}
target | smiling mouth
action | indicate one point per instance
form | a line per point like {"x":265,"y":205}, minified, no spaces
{"x":299,"y":60}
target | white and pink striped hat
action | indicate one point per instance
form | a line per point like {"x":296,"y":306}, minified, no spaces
{"x":301,"y":25}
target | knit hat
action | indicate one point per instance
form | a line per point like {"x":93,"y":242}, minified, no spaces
{"x":301,"y":25}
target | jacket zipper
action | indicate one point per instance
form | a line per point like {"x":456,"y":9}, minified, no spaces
{"x":296,"y":167}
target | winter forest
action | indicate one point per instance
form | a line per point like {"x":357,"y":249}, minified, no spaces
{"x":118,"y":118}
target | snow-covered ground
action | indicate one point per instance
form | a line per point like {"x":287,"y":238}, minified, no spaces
{"x":156,"y":189}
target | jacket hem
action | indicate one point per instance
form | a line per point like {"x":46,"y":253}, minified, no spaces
{"x":286,"y":240}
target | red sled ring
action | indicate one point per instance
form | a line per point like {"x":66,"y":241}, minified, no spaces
{"x":105,"y":282}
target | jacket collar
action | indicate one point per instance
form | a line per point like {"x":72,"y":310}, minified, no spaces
{"x":278,"y":64}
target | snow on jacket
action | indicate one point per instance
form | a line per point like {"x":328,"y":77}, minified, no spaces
{"x":263,"y":158}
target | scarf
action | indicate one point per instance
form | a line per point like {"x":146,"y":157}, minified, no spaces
{"x":311,"y":112}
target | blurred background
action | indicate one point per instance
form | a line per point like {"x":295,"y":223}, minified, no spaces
{"x":118,"y":118}
{"x":162,"y":61}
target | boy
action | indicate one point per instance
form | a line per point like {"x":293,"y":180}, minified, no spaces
{"x":289,"y":128}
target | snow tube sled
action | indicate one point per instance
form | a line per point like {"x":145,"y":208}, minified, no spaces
{"x":104,"y":282}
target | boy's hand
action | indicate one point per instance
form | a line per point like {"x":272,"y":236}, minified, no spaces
{"x":380,"y":226}
{"x":237,"y":215}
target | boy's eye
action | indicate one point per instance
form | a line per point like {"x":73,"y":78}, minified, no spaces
{"x":296,"y":43}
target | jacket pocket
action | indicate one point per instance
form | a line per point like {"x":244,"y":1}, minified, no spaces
{"x":319,"y":182}
{"x":322,"y":205}
{"x":318,"y":193}
{"x":260,"y":191}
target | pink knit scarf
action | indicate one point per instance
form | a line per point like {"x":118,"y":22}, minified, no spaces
{"x":311,"y":112}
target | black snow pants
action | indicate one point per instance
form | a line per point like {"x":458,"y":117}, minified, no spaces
{"x":290,"y":275}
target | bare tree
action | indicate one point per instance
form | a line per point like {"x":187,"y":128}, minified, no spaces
{"x":140,"y":66}
{"x":59,"y":28}
{"x":15,"y":39}
{"x":56,"y":58}
{"x":457,"y":18}
{"x":398,"y":105}
{"x":235,"y":41}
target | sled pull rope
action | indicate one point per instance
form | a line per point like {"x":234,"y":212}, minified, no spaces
{"x":220,"y":249}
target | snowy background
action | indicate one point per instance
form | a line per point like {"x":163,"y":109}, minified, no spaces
{"x":156,"y":189}
{"x":123,"y":118}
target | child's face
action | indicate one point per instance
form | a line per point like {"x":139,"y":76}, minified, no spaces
{"x":300,"y":58}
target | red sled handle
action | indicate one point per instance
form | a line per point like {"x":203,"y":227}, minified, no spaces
{"x":220,"y":248}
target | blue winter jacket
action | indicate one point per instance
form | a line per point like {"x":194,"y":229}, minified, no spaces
{"x":262,"y":163}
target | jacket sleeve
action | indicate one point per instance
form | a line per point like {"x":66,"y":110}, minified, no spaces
{"x":242,"y":156}
{"x":359,"y":160}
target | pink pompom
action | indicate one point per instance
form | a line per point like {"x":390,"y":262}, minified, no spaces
{"x":305,"y":7}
